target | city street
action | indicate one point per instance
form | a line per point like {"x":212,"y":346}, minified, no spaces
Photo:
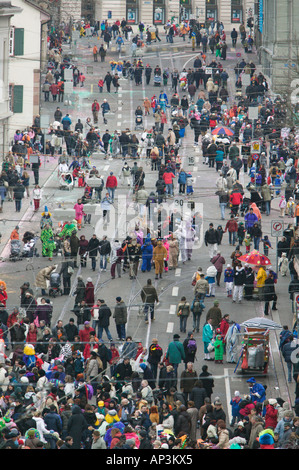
{"x":174,"y":284}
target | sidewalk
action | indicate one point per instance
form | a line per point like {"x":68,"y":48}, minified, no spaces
{"x":9,"y":218}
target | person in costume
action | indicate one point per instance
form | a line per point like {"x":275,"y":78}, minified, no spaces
{"x":48,"y":243}
{"x":46,"y":219}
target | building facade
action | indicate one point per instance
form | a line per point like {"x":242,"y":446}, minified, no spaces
{"x":7,"y":12}
{"x":27,"y":41}
{"x":230,"y":12}
{"x":277,"y":38}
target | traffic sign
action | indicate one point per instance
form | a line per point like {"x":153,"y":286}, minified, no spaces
{"x":277,"y":228}
{"x":255,"y":156}
{"x":238,"y":54}
{"x":297,"y":299}
{"x":255,"y":146}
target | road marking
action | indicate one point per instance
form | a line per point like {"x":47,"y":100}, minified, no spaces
{"x":119,"y":124}
{"x":178,"y":272}
{"x":228,"y":394}
{"x":106,"y":167}
{"x":119,"y":116}
{"x":175,"y":291}
{"x":195,"y":168}
{"x":172,"y":309}
{"x":169,"y":328}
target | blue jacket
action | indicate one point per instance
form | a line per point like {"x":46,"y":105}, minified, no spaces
{"x":53,"y":422}
{"x":182,"y":179}
{"x":257,"y":388}
{"x":207,"y":333}
{"x":229,"y":275}
{"x":235,"y":406}
{"x":250,"y":219}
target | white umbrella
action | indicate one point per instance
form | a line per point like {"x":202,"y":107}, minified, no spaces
{"x":261,"y":322}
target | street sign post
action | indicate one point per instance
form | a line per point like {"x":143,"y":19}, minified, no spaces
{"x":277,"y":228}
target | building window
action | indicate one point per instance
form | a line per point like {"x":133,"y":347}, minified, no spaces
{"x":159,"y":11}
{"x":132,"y":12}
{"x":185,"y":9}
{"x":211,"y":10}
{"x":18,"y":41}
{"x":17,"y":98}
{"x":11,"y":41}
{"x":236,"y":11}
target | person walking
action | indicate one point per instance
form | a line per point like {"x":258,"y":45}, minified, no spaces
{"x":155,"y":353}
{"x":104,"y":320}
{"x":95,"y":108}
{"x":175,"y":353}
{"x":211,"y":240}
{"x":218,"y":261}
{"x":120,"y":315}
{"x":149,"y":296}
{"x":183,"y":312}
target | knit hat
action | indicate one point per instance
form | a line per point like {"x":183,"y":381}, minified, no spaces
{"x":101,"y":403}
{"x":118,"y":299}
{"x":142,"y":366}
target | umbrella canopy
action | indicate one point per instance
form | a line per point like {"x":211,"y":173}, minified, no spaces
{"x":222,"y":131}
{"x":261,"y":322}
{"x":256,"y":258}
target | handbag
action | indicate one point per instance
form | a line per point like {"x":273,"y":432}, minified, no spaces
{"x":211,"y":346}
{"x":70,"y":270}
{"x":179,"y":313}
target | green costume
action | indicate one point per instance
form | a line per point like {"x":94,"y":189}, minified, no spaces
{"x":46,"y":220}
{"x":47,"y":239}
{"x":219,"y":348}
{"x":68,"y":229}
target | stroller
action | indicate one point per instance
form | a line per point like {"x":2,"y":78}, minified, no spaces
{"x":139,"y":123}
{"x":66,"y":181}
{"x":55,"y":282}
{"x":15,"y":250}
{"x":157,"y":80}
{"x":29,"y":248}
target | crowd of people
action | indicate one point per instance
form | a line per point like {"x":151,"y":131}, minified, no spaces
{"x":67,"y":387}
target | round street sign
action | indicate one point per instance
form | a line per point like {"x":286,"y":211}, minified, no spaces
{"x":297,"y":299}
{"x":277,"y":228}
{"x":255,"y":156}
{"x":238,"y":54}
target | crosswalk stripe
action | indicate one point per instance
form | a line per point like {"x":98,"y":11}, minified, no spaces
{"x":172,"y":309}
{"x":169,"y":328}
{"x":175,"y":291}
{"x":178,"y":272}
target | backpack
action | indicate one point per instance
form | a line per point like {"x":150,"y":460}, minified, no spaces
{"x":191,"y":346}
{"x":196,"y":307}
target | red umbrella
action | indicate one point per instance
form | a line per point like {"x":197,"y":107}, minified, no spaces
{"x":256,"y":258}
{"x":222,"y":130}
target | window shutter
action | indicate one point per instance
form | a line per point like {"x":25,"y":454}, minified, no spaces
{"x":18,"y":98}
{"x":19,"y":41}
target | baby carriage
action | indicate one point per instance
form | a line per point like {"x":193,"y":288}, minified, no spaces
{"x":29,"y":249}
{"x":15,"y":250}
{"x":66,"y":181}
{"x":139,"y":123}
{"x":55,"y":282}
{"x":157,"y":80}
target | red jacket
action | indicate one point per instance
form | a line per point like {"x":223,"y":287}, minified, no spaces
{"x":271,"y":417}
{"x":12,"y":318}
{"x":84,"y":334}
{"x":231,"y":226}
{"x":168,"y":177}
{"x":111,"y":182}
{"x":236,"y":199}
{"x":95,"y":107}
{"x":31,"y":336}
{"x":3,"y":297}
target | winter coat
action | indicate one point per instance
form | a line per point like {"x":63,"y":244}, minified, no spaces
{"x":218,"y":261}
{"x":186,"y":380}
{"x":175,"y":352}
{"x":89,"y":294}
{"x":216,"y":315}
{"x":211,"y":237}
{"x":104,"y":315}
{"x":239,"y":276}
{"x":235,"y":406}
{"x":80,"y":291}
{"x":207,"y":333}
{"x":120,"y":313}
{"x":42,"y":276}
{"x":183,"y":423}
{"x":76,"y":426}
{"x":271,"y":417}
{"x":197,"y":395}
